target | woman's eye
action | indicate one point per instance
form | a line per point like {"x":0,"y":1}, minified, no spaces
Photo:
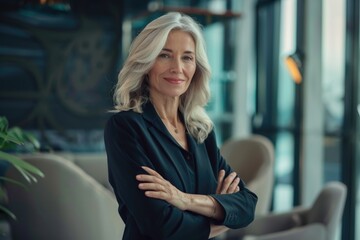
{"x":188,"y":58}
{"x":164,"y":55}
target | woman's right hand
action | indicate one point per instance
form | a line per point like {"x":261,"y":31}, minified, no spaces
{"x":227,"y":185}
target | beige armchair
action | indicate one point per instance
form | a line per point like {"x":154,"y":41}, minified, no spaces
{"x":253,"y":159}
{"x":320,"y":221}
{"x":67,"y":204}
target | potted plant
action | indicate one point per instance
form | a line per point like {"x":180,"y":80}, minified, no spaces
{"x":13,"y":140}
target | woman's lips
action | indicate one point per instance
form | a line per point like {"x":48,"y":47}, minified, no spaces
{"x":174,"y":80}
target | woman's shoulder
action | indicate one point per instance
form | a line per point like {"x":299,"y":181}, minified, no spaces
{"x":210,"y":141}
{"x":211,"y":136}
{"x":125,"y":118}
{"x":129,"y":114}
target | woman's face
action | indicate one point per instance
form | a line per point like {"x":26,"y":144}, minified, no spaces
{"x":174,"y":67}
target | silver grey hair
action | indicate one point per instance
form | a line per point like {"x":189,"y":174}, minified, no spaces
{"x":132,"y":90}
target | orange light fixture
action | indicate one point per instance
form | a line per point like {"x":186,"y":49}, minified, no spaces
{"x":294,"y":65}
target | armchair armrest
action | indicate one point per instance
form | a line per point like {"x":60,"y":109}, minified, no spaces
{"x":273,"y":222}
{"x":312,"y":231}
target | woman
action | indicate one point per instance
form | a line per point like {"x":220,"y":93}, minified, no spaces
{"x":164,"y":165}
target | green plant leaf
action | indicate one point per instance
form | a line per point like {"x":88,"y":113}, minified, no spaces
{"x":15,"y":135}
{"x":7,"y":212}
{"x":10,"y":138}
{"x":32,"y":140}
{"x":3,"y":194}
{"x":3,"y":124}
{"x":23,"y":173}
{"x":20,"y":164}
{"x":27,"y":175}
{"x":9,"y":180}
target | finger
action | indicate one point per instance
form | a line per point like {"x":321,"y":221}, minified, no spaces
{"x":237,"y":189}
{"x":233,"y":185}
{"x":151,"y":172}
{"x":151,"y":186}
{"x":149,"y":178}
{"x":228,"y":180}
{"x":157,"y":195}
{"x":220,"y":180}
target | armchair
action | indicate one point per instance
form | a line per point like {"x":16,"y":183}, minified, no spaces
{"x":320,"y":221}
{"x":67,"y":204}
{"x":253,"y":159}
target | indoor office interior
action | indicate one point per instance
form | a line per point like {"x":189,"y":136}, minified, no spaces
{"x":284,"y":71}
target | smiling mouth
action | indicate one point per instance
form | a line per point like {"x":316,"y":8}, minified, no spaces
{"x":174,"y":80}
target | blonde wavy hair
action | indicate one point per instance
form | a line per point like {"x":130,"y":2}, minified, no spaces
{"x":131,"y":90}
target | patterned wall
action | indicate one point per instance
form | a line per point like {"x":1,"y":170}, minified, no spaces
{"x":57,"y":70}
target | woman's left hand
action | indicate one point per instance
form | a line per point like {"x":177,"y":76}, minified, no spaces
{"x":227,"y":185}
{"x":155,"y":186}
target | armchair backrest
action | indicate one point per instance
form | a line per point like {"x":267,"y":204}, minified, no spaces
{"x":253,"y":159}
{"x":94,"y":164}
{"x":66,"y":204}
{"x":328,"y":207}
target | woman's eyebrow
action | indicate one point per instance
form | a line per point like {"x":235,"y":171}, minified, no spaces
{"x":189,"y":52}
{"x":169,"y":50}
{"x":166,"y":50}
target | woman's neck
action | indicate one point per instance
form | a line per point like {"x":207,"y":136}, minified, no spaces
{"x":169,"y":115}
{"x":166,"y":109}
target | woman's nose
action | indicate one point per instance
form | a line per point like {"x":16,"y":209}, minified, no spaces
{"x":176,"y":66}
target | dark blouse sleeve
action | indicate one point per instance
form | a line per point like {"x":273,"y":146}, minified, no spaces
{"x":125,"y":144}
{"x":239,"y":207}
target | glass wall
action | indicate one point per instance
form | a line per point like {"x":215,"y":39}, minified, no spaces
{"x":333,"y":84}
{"x":220,"y":47}
{"x":284,"y":166}
{"x":350,"y":161}
{"x":276,"y":93}
{"x":357,"y":204}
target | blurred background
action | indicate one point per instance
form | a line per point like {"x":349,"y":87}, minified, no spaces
{"x":59,"y":62}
